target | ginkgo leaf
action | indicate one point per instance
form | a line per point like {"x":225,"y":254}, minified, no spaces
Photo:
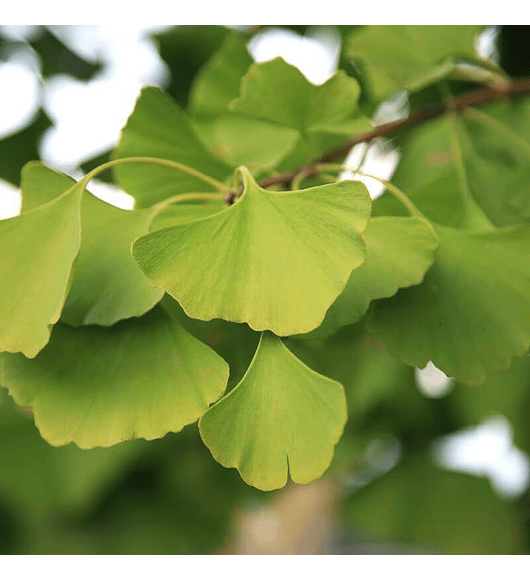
{"x":235,"y":138}
{"x":278,"y":92}
{"x":427,"y":173}
{"x":159,"y":128}
{"x":412,"y":57}
{"x":96,"y":386}
{"x":243,"y":140}
{"x":471,"y":314}
{"x":40,"y":184}
{"x":107,"y":284}
{"x":496,"y":151}
{"x":281,"y":418}
{"x":185,"y":212}
{"x":398,"y":253}
{"x":275,"y":260}
{"x":37,"y":250}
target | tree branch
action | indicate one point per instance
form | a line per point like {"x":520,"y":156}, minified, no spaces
{"x":516,"y":88}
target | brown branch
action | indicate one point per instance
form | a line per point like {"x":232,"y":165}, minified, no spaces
{"x":516,"y":88}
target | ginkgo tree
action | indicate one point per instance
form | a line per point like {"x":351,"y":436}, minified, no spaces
{"x":249,"y":267}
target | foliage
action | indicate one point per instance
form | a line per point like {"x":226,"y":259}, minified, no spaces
{"x":274,"y":318}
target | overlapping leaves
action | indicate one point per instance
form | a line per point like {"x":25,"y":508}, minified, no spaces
{"x":107,"y":284}
{"x":90,"y":386}
{"x":471,"y":314}
{"x":322,"y":115}
{"x":236,"y":138}
{"x":398,"y":253}
{"x":275,"y":260}
{"x":412,"y":57}
{"x":159,"y":128}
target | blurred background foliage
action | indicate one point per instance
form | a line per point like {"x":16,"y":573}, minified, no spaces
{"x":392,"y":487}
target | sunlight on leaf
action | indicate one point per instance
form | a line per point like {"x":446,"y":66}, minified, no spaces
{"x":235,"y":138}
{"x":322,"y":115}
{"x":217,"y":83}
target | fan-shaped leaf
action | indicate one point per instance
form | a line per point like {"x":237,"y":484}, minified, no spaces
{"x":281,"y":417}
{"x":471,"y":314}
{"x":37,"y":250}
{"x":278,"y":92}
{"x":274,"y":260}
{"x":96,"y":387}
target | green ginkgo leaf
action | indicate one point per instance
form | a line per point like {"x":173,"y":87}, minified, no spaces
{"x":496,"y":151}
{"x":275,"y":260}
{"x":398,"y":253}
{"x":278,"y":92}
{"x":159,"y":128}
{"x":235,"y":138}
{"x":96,"y":386}
{"x":243,"y":140}
{"x":184,"y":212}
{"x":107,"y":284}
{"x":412,"y":57}
{"x":37,"y":250}
{"x":428,"y":174}
{"x":322,"y":115}
{"x":471,"y":314}
{"x":40,"y":184}
{"x":281,"y":418}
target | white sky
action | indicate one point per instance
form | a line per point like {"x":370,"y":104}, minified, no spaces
{"x":88,"y":116}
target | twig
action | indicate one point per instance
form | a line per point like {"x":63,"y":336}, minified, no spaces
{"x":516,"y":88}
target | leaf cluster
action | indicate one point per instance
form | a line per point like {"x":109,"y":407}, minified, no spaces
{"x":279,"y":321}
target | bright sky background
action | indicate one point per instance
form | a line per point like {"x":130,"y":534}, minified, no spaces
{"x":87,"y":120}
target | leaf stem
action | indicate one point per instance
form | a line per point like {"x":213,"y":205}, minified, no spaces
{"x":297,"y":180}
{"x":221,"y":187}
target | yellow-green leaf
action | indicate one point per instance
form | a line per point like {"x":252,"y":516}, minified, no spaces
{"x":281,"y":418}
{"x":275,"y":260}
